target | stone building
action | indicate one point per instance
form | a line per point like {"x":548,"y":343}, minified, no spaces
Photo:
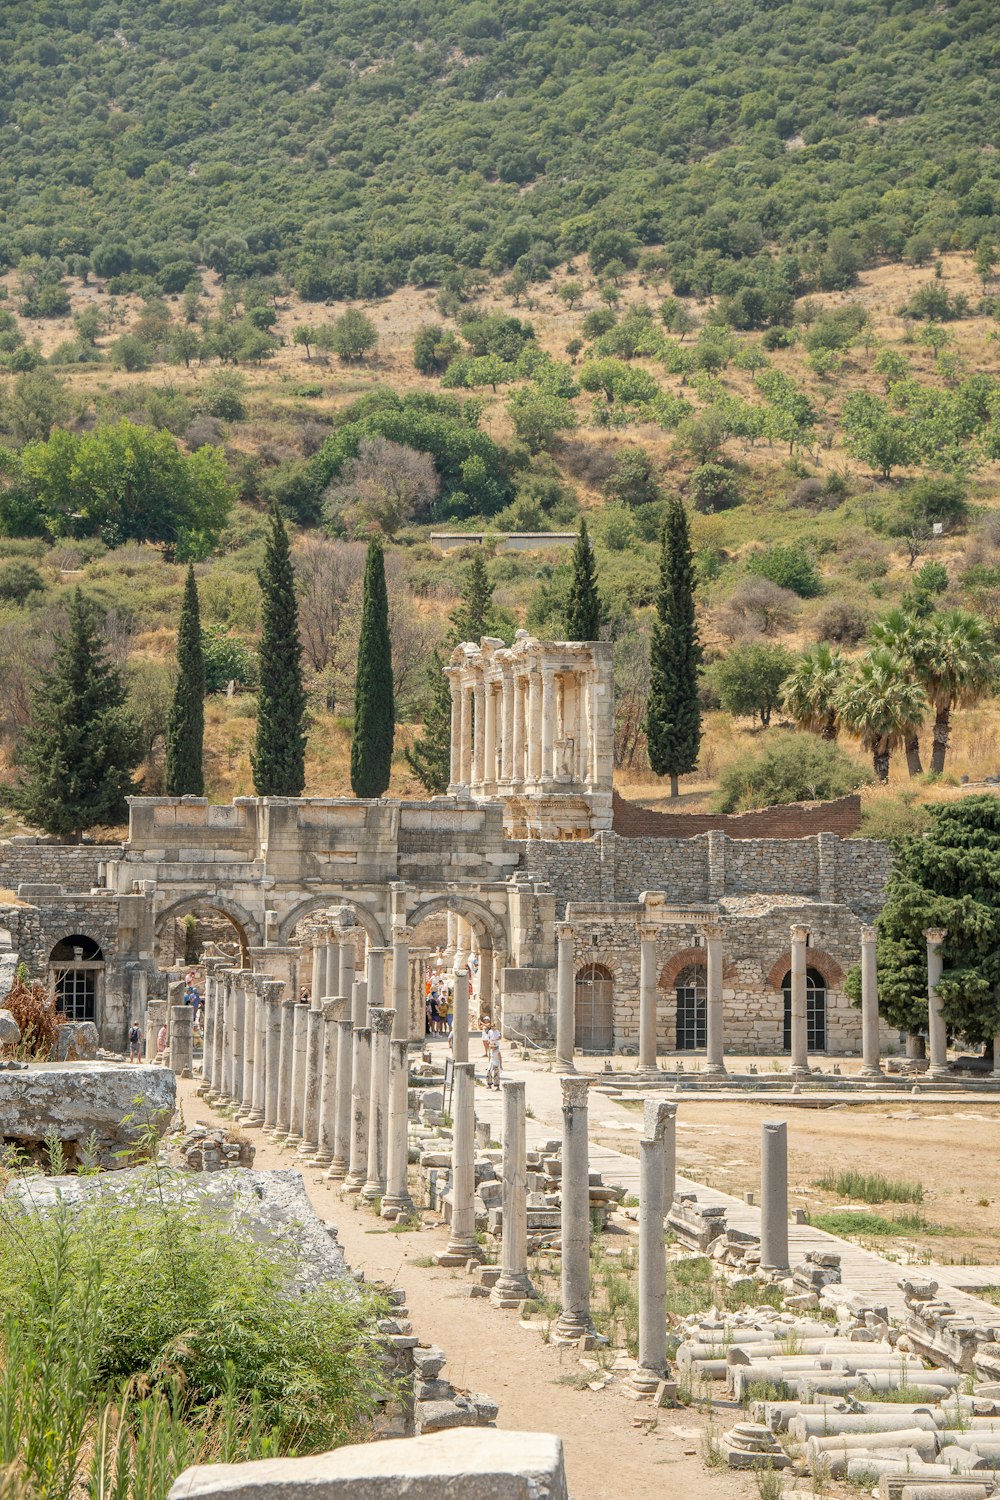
{"x":523,"y":844}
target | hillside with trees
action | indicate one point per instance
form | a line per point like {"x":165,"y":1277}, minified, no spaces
{"x":726,"y":266}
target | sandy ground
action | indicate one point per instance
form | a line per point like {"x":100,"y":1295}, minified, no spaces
{"x":613,"y":1445}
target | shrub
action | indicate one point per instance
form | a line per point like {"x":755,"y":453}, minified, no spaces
{"x":792,"y":768}
{"x":840,"y":621}
{"x":714,"y":487}
{"x":748,"y":680}
{"x":227,"y":659}
{"x":938,"y":499}
{"x":224,"y":395}
{"x":634,"y":480}
{"x":19,"y":579}
{"x":757,"y":606}
{"x":893,"y":819}
{"x":790,"y":567}
{"x":34,"y":1010}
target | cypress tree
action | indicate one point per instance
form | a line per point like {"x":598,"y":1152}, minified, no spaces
{"x":430,"y":757}
{"x":279,"y":753}
{"x":472,"y":617}
{"x":583,"y":606}
{"x":186,"y":725}
{"x":673,"y":715}
{"x":374,"y":707}
{"x":82,"y":745}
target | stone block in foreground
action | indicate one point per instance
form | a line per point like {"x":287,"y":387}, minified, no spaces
{"x":472,"y":1464}
{"x":78,"y":1100}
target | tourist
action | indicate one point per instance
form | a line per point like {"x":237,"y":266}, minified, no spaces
{"x":487,"y":1026}
{"x":161,"y":1038}
{"x":495,"y":1061}
{"x":134,"y":1043}
{"x":304,"y":996}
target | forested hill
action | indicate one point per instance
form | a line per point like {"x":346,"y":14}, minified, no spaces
{"x":354,"y":146}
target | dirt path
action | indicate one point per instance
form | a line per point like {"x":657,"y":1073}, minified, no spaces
{"x":606,"y":1452}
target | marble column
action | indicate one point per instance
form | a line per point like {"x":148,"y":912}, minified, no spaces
{"x":460,"y":1016}
{"x":660,"y":1117}
{"x":249,"y":1045}
{"x":396,"y":1200}
{"x":455,"y":769}
{"x":517,"y":770}
{"x":937,"y":1030}
{"x":565,"y":1000}
{"x":273,"y":1010}
{"x":380,"y":1020}
{"x":532,"y":728}
{"x":647,"y":1000}
{"x":574,"y":1320}
{"x":465,"y":758}
{"x":462,"y":1244}
{"x":348,"y":958}
{"x":286,"y":1051}
{"x":331,"y":986}
{"x":487,"y":999}
{"x":548,"y":723}
{"x":181,"y":1040}
{"x":359,"y":1001}
{"x":870,"y":1062}
{"x":300,"y":1034}
{"x":342,"y":1116}
{"x":318,"y":968}
{"x":218,"y":1040}
{"x":715,"y":1020}
{"x":774,"y":1196}
{"x":309,"y":1144}
{"x":582,"y":735}
{"x":401,"y":983}
{"x":207,"y":1023}
{"x":479,"y":734}
{"x":357,"y":1172}
{"x":256,"y":1116}
{"x":489,"y":737}
{"x":652,"y":1365}
{"x":800,"y":1035}
{"x":514,"y":1284}
{"x":333,"y":1013}
{"x":239,"y":1012}
{"x":996,"y":1056}
{"x":376,"y":977}
{"x":507,"y":729}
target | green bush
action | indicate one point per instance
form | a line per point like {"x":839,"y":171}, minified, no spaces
{"x":227,"y":659}
{"x":19,"y":579}
{"x":790,"y":567}
{"x":714,"y":487}
{"x":791,"y":768}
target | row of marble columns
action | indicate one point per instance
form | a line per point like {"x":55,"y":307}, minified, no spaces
{"x":533,"y":727}
{"x":712,"y":934}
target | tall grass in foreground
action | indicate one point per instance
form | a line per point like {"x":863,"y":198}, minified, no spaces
{"x":139,"y":1336}
{"x":871,"y":1187}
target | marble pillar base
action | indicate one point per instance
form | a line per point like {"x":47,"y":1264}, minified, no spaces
{"x":370,"y":1191}
{"x":511,"y":1291}
{"x":644,"y":1384}
{"x":395,"y":1205}
{"x":570,"y":1327}
{"x":457,"y":1253}
{"x":353,"y":1184}
{"x":320,"y":1159}
{"x":338,"y":1170}
{"x":307,"y":1148}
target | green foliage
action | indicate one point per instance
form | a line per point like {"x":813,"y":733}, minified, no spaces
{"x":374,"y":706}
{"x":714,"y":487}
{"x":79,"y":751}
{"x":278,"y":756}
{"x":749,"y":679}
{"x":812,"y":689}
{"x":881,"y":705}
{"x":893,"y":819}
{"x":227,"y":659}
{"x":476,"y":613}
{"x":429,"y":757}
{"x":790,"y":567}
{"x":123,"y":482}
{"x":185,"y":776}
{"x":19,"y":580}
{"x":871,"y":1187}
{"x":583,"y":604}
{"x":634,"y":479}
{"x":673,"y":713}
{"x":791,"y":768}
{"x":352,"y":336}
{"x":434,"y":348}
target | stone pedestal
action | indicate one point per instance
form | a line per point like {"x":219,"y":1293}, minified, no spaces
{"x":565,"y":1000}
{"x":647,"y":1000}
{"x":342,"y":1119}
{"x":460,"y":1017}
{"x":300,"y":1033}
{"x":309,"y":1144}
{"x":774,"y":1196}
{"x":357,"y":1172}
{"x":156,"y":1014}
{"x":574,"y":1320}
{"x":359,"y":1002}
{"x":800,"y":1035}
{"x":652,"y":1260}
{"x":514,"y":1283}
{"x":181,"y":1040}
{"x":462,"y":1244}
{"x":870,"y":1067}
{"x":396,"y":1199}
{"x":715,"y":1015}
{"x":937,"y":1030}
{"x":381,"y":1019}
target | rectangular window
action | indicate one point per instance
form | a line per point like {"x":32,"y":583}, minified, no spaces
{"x":76,"y":994}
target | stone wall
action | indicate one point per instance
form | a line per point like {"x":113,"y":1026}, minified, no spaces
{"x":74,"y":866}
{"x":842,"y":816}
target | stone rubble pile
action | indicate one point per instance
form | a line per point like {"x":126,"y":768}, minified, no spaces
{"x":210,"y":1148}
{"x":934,"y":1329}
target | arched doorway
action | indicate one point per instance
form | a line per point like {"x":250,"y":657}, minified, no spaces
{"x":692,"y":1023}
{"x":192,"y":929}
{"x":815,"y":1010}
{"x":76,"y":977}
{"x":594,"y":1010}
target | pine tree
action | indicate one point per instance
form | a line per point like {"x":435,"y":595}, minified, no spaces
{"x":279,"y":752}
{"x":472,"y":617}
{"x":583,"y":606}
{"x":673,"y":715}
{"x":186,"y":725}
{"x":374,"y":708}
{"x":430,"y":757}
{"x":82,"y":744}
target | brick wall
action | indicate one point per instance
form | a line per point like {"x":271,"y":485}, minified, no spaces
{"x":794,"y":821}
{"x":41,"y":861}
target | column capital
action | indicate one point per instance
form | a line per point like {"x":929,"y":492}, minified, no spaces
{"x":400,"y":934}
{"x":334,"y":1009}
{"x":575,"y":1090}
{"x":564,"y":932}
{"x":800,"y":932}
{"x":869,"y":934}
{"x":935,"y":936}
{"x":656,"y":1115}
{"x":648,"y":933}
{"x":713,"y":932}
{"x":380,"y":1019}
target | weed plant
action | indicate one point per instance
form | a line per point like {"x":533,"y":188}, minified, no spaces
{"x":871,"y":1187}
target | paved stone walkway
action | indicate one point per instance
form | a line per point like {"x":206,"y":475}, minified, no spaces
{"x":862,"y":1270}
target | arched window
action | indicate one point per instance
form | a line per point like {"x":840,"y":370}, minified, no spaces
{"x":692,"y":1026}
{"x":76,"y":967}
{"x":815,"y":1010}
{"x":595,"y":1010}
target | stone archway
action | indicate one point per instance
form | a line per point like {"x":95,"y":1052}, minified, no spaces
{"x":364,"y":916}
{"x":488,"y":926}
{"x":245,"y":924}
{"x":816,"y":958}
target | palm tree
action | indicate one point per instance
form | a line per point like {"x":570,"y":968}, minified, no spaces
{"x":881,"y":706}
{"x":959,"y":671}
{"x":809,"y":693}
{"x":906,"y":636}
